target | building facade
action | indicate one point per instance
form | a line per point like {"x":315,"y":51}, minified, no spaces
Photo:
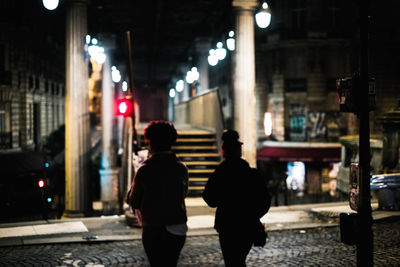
{"x":32,"y":87}
{"x":308,"y":46}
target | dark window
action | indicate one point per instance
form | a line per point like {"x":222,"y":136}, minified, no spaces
{"x":334,"y":14}
{"x":19,"y":79}
{"x":30,"y":82}
{"x":46,"y":86}
{"x":37,"y":83}
{"x":296,"y":85}
{"x":331,"y":84}
{"x":298,"y":14}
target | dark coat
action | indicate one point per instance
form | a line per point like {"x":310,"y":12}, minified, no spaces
{"x":239,"y":193}
{"x":159,"y":190}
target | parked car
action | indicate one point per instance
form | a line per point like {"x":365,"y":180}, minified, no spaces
{"x":386,"y":187}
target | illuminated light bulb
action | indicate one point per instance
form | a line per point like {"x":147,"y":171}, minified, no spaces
{"x":124,"y":86}
{"x":263,"y":17}
{"x":220,"y":52}
{"x":268,"y":123}
{"x":179,"y":86}
{"x":195,"y":74}
{"x":115,"y":74}
{"x":230,"y":44}
{"x":172,"y":93}
{"x":189,"y":77}
{"x":212,"y":58}
{"x":50,"y":4}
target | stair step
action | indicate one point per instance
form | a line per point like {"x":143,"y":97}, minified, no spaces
{"x":192,"y":155}
{"x":194,"y":147}
{"x":195,"y":134}
{"x":199,"y":163}
{"x":200,"y":171}
{"x":195,"y":140}
{"x":196,"y":187}
{"x":198,"y":179}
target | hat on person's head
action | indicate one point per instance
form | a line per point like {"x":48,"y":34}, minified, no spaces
{"x":231,"y":137}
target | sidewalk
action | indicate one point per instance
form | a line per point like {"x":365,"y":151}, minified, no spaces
{"x":200,"y":222}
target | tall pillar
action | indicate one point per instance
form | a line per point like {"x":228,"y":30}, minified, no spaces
{"x":244,"y":78}
{"x":77,"y":130}
{"x":108,"y":172}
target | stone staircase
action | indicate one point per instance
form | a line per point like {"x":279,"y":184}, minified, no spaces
{"x":199,"y":152}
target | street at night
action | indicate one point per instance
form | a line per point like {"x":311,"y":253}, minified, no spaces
{"x":128,"y":126}
{"x":309,"y":247}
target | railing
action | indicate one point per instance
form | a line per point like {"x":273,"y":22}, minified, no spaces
{"x":5,"y":140}
{"x":204,"y":111}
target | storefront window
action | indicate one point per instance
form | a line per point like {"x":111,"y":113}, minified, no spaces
{"x":296,"y":172}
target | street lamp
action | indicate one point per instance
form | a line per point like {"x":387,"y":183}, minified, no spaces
{"x":172,"y":93}
{"x":263,"y":16}
{"x":115,"y":74}
{"x":230,"y":42}
{"x":179,"y":86}
{"x":220,"y":52}
{"x":50,"y":4}
{"x":212,"y":58}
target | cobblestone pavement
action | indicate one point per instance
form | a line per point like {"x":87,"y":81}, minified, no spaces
{"x":311,"y":247}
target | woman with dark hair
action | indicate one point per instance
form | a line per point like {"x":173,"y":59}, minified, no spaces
{"x":158,"y":197}
{"x":241,"y":197}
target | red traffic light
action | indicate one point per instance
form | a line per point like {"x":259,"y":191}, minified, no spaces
{"x":41,"y":183}
{"x":124,"y":107}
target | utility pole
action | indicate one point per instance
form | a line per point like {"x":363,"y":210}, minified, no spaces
{"x":356,"y":95}
{"x":365,"y":239}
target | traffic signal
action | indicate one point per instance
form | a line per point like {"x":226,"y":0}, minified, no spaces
{"x":349,"y":90}
{"x":41,"y":183}
{"x":124,"y":107}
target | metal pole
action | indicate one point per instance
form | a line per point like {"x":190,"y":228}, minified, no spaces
{"x":365,"y":240}
{"x":130,"y":91}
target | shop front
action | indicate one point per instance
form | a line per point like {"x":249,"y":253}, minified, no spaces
{"x":300,"y":172}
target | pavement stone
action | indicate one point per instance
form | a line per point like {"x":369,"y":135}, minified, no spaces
{"x":294,"y":247}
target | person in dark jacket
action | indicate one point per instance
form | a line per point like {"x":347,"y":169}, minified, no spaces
{"x":237,"y":192}
{"x":158,"y":197}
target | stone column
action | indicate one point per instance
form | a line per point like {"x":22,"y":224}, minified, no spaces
{"x":202,"y":49}
{"x":244,"y":78}
{"x":108,"y":172}
{"x":77,"y":135}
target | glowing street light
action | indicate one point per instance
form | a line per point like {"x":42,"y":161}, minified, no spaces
{"x":97,"y":53}
{"x":50,"y":4}
{"x":192,"y":75}
{"x":124,"y":86}
{"x":212,"y":58}
{"x":220,"y":52}
{"x":179,"y":86}
{"x":230,"y":42}
{"x":263,"y":16}
{"x":115,"y":74}
{"x":172,"y":93}
{"x":195,"y":73}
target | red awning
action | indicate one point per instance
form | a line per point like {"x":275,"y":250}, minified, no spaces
{"x":305,"y":154}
